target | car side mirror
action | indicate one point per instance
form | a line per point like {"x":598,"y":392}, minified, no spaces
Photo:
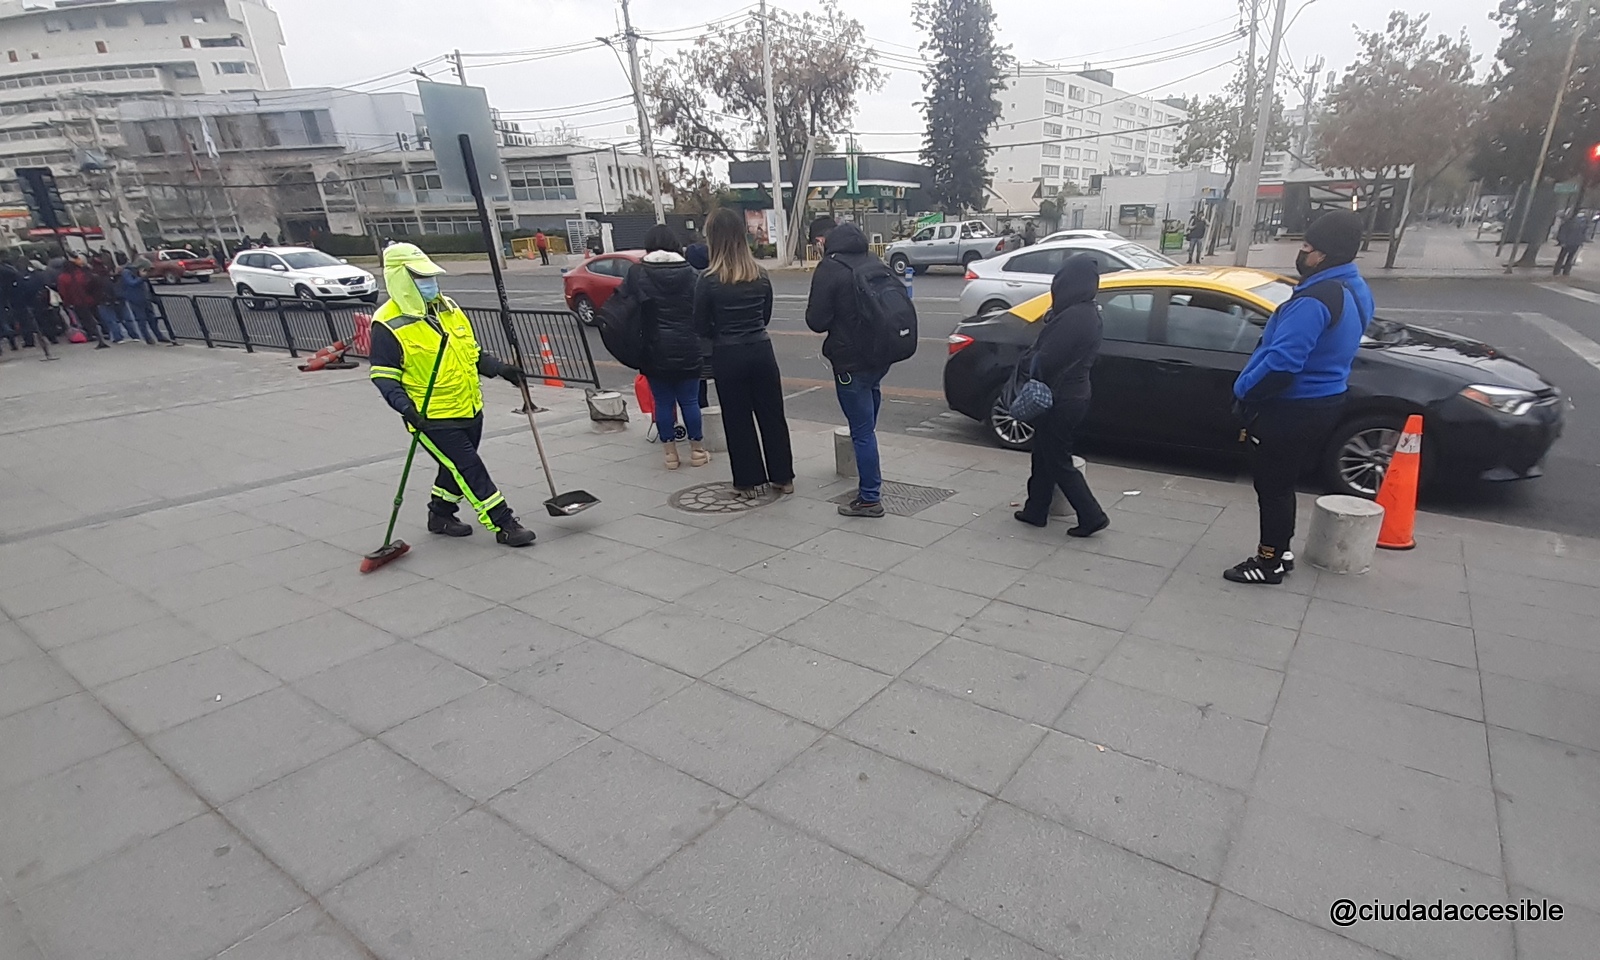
{"x":280,"y":268}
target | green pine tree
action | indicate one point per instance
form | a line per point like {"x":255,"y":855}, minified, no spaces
{"x":965,"y":80}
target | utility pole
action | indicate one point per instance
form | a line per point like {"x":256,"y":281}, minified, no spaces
{"x":461,"y":71}
{"x":645,"y":141}
{"x":1258,"y":149}
{"x":1549,"y":129}
{"x":778,"y":230}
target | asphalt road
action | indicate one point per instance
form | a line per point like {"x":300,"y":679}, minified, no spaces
{"x":1537,"y":323}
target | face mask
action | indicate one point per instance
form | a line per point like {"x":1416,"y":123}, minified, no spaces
{"x":428,"y":287}
{"x":1300,"y":265}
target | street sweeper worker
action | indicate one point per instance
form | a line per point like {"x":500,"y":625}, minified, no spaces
{"x":407,"y":333}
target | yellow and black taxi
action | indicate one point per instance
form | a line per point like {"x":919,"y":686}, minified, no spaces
{"x":1176,"y":338}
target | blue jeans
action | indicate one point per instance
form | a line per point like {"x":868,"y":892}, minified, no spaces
{"x":674,"y":395}
{"x":142,"y":322}
{"x":111,"y":319}
{"x":860,"y":398}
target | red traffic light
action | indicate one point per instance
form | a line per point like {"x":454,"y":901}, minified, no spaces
{"x":1594,"y":153}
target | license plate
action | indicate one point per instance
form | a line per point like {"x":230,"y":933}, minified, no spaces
{"x":204,"y":273}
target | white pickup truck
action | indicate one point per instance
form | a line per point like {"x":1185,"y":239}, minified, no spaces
{"x":955,"y":244}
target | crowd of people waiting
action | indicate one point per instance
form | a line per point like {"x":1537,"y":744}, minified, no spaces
{"x":76,"y":298}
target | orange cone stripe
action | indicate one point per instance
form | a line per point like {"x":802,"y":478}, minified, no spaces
{"x":552,"y":376}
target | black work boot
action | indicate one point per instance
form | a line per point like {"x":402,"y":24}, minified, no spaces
{"x":513,"y":534}
{"x":447,"y":525}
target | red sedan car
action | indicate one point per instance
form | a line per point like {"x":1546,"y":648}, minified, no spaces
{"x":176,"y":266}
{"x":589,"y":285}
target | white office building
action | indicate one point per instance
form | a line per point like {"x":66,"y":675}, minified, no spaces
{"x":1059,"y":128}
{"x":66,"y":66}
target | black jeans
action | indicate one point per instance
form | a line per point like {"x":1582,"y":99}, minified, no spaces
{"x":1052,"y":467}
{"x":751,"y":392}
{"x":453,"y":444}
{"x":1282,"y":435}
{"x":1564,"y":260}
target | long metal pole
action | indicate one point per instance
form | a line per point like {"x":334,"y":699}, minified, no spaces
{"x":778,"y":230}
{"x":1549,"y":129}
{"x":646,"y":142}
{"x":1258,"y":149}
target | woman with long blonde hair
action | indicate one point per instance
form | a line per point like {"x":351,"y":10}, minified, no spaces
{"x":732,"y":307}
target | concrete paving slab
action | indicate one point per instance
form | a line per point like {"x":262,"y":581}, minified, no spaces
{"x":587,"y":606}
{"x":30,"y":681}
{"x":1444,"y":687}
{"x":597,"y":684}
{"x":1239,"y":689}
{"x":53,"y":736}
{"x":343,"y":814}
{"x":165,"y":696}
{"x":623,"y":932}
{"x":182,"y":895}
{"x":684,"y":639}
{"x":1546,"y":711}
{"x":612,"y":810}
{"x":476,"y":888}
{"x":297,"y":650}
{"x":1241,"y":929}
{"x":1551,"y":851}
{"x":1026,"y":688}
{"x":878,"y":642}
{"x":389,"y":686}
{"x":934,"y":930}
{"x":1042,"y":636}
{"x":498,"y":642}
{"x":799,"y":681}
{"x":308,"y":933}
{"x":717,"y":892}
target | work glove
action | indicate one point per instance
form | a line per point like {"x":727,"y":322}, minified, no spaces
{"x":416,"y":420}
{"x":511,"y":374}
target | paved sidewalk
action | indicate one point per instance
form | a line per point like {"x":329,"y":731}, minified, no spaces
{"x":1428,"y":252}
{"x":773,"y":734}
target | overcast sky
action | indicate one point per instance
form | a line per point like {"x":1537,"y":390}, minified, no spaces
{"x":355,"y":40}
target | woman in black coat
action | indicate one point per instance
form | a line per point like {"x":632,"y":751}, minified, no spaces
{"x":663,"y":284}
{"x":1066,"y":350}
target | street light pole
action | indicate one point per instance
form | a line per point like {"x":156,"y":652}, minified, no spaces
{"x":778,"y":231}
{"x":1258,"y":149}
{"x":645,"y":141}
{"x":1549,"y":129}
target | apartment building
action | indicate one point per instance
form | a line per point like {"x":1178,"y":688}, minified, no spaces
{"x":67,"y":65}
{"x":1058,"y":128}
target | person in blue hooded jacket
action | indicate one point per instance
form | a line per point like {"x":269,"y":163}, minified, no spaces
{"x":1291,"y":389}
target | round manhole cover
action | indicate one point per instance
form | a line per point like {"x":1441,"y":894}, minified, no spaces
{"x":719,"y":498}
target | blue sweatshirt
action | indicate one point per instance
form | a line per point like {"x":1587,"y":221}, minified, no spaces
{"x":1304,"y":352}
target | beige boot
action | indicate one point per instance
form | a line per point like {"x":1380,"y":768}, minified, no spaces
{"x":699,"y":456}
{"x":672,"y":455}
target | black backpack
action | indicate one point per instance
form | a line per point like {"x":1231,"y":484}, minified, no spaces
{"x":888,"y":331}
{"x":621,"y":324}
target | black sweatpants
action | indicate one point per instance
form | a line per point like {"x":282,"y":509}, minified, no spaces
{"x":462,"y":474}
{"x":1052,"y":467}
{"x":1564,"y":260}
{"x":1283,"y":436}
{"x":750,"y":390}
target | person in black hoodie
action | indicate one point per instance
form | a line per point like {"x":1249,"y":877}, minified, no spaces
{"x":732,"y":306}
{"x":663,"y":283}
{"x":1062,"y":357}
{"x":832,"y":308}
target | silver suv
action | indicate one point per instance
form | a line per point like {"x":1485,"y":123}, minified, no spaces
{"x":957,"y":244}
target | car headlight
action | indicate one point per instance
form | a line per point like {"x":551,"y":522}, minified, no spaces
{"x":1508,"y":400}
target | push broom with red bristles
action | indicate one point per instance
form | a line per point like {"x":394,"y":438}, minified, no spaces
{"x":393,"y":550}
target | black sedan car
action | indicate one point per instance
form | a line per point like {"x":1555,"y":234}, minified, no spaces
{"x":1175,"y":340}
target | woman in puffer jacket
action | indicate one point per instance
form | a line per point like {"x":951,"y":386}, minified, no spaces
{"x":663,"y":284}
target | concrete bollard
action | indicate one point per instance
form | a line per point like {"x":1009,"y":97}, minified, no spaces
{"x":844,"y":453}
{"x":711,"y":425}
{"x":1059,"y":507}
{"x":1344,"y":534}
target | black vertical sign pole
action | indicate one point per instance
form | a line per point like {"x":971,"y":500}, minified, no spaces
{"x":528,"y":407}
{"x":488,"y":243}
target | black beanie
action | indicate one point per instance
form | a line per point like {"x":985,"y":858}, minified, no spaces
{"x":1337,"y":235}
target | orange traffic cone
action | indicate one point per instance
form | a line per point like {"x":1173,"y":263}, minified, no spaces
{"x":329,"y":356}
{"x":552,"y":376}
{"x":1398,"y":492}
{"x":363,"y":338}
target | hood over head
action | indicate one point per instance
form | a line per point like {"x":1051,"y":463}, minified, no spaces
{"x":1077,"y":281}
{"x":402,"y":263}
{"x":845,"y":238}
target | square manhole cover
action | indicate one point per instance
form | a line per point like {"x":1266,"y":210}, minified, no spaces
{"x":903,"y":499}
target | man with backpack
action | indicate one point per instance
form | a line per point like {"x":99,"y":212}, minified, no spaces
{"x":863,"y":308}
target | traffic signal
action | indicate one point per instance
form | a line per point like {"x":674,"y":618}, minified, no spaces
{"x":44,"y":199}
{"x":1591,"y":164}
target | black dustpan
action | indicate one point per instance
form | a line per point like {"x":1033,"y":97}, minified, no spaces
{"x":560,"y":504}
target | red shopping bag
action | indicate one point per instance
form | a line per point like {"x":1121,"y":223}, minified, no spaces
{"x":641,"y":393}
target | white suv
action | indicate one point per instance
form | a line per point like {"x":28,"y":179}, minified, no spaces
{"x":299,"y":273}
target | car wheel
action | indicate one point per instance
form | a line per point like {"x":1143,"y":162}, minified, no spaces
{"x":584,"y":308}
{"x":304,"y":295}
{"x":898,"y":263}
{"x":251,"y":301}
{"x":204,"y":278}
{"x":1358,"y":454}
{"x":170,"y":280}
{"x":1007,"y":431}
{"x":993,"y":307}
{"x":971,"y":257}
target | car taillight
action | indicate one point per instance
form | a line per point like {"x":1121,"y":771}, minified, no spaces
{"x":958,"y":342}
{"x":971,"y":274}
{"x":999,"y":246}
